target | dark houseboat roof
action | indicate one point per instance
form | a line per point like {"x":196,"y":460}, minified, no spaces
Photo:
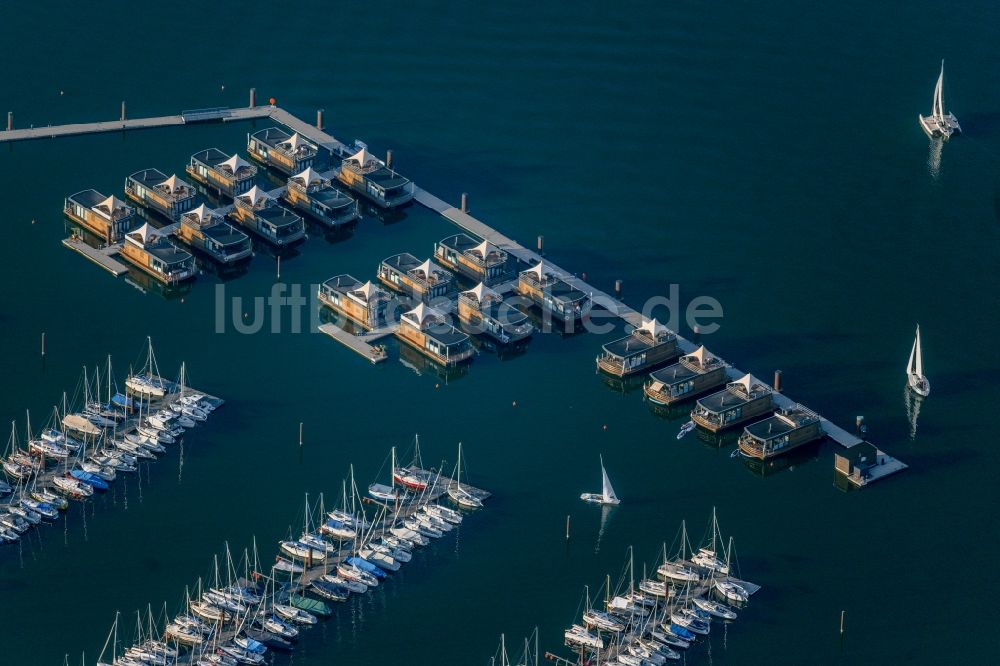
{"x":698,"y":362}
{"x":152,"y":242}
{"x":374,"y":170}
{"x":168,"y":185}
{"x":434,"y":325}
{"x":349,"y":285}
{"x":290,"y":143}
{"x":736,"y":393}
{"x":484,"y":251}
{"x":781,"y":423}
{"x":218,"y":160}
{"x":651,"y":334}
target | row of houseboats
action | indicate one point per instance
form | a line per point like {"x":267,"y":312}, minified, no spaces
{"x":222,"y":234}
{"x":430,"y":287}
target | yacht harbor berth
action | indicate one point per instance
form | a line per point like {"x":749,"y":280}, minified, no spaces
{"x":406,"y":274}
{"x":150,"y":251}
{"x":153,"y":189}
{"x":109,"y":218}
{"x":369,"y":176}
{"x":427,"y":330}
{"x":477,"y":260}
{"x":311,"y":193}
{"x":205,"y":230}
{"x":276,"y":148}
{"x":484,"y":311}
{"x":646,"y":347}
{"x":741,"y":400}
{"x":229,"y":175}
{"x":780,"y":433}
{"x":257,"y":211}
{"x":694,"y":374}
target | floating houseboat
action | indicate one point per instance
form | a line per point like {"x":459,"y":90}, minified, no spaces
{"x":153,"y":189}
{"x":741,"y":400}
{"x":227,"y":174}
{"x":648,"y":346}
{"x":366,"y":304}
{"x":485,"y":311}
{"x":275,"y":148}
{"x":406,"y":274}
{"x":784,"y":431}
{"x":203,"y":230}
{"x":257,"y":211}
{"x":552,"y":293}
{"x":152,"y":253}
{"x":427,"y":331}
{"x":108,"y":217}
{"x":313,"y":194}
{"x":483,"y":262}
{"x":692,"y":375}
{"x":369,"y":176}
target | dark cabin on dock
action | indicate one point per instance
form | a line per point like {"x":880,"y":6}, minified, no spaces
{"x":480,"y":261}
{"x":274,"y":147}
{"x":648,"y":346}
{"x":365,"y":304}
{"x":741,"y":400}
{"x":692,"y":375}
{"x":552,"y":294}
{"x":857,"y":462}
{"x":780,"y":433}
{"x":108,"y":217}
{"x":408,"y":275}
{"x":369,"y":176}
{"x":153,"y":189}
{"x":257,"y":211}
{"x":314,"y":195}
{"x":204,"y":230}
{"x":227,"y":174}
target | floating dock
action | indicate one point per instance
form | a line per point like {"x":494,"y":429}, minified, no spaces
{"x":103,"y":257}
{"x":361,"y":343}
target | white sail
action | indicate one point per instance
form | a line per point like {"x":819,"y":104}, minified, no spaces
{"x":909,"y":363}
{"x":938,"y":110}
{"x":607,"y":492}
{"x":918,"y":366}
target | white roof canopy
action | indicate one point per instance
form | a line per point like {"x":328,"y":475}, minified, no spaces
{"x":428,"y":268}
{"x":483,"y":249}
{"x":234,"y":163}
{"x":255,"y":195}
{"x":746,"y":381}
{"x":294,"y":142}
{"x":173,"y":184}
{"x":112,"y":203}
{"x":362,"y":157}
{"x":422,"y":313}
{"x":482,"y":293}
{"x":309,"y":176}
{"x":701,"y":355}
{"x":146,"y":233}
{"x":366,"y":290}
{"x":538,"y":270}
{"x":202,"y":213}
{"x":653,"y":327}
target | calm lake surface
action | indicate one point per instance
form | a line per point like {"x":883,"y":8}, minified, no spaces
{"x":767,"y":157}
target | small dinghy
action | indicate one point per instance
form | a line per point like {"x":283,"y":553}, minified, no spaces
{"x":685,"y":429}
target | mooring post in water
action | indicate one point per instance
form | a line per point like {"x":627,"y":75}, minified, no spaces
{"x":319,"y":119}
{"x":123,"y":110}
{"x":541,"y":245}
{"x":567,"y":527}
{"x":465,"y":202}
{"x":842,"y":622}
{"x":777,"y":381}
{"x":618,"y":289}
{"x":388,"y":158}
{"x":300,"y":434}
{"x":43,"y":344}
{"x":253,"y":98}
{"x":279,"y":266}
{"x":697,"y":333}
{"x":10,"y":120}
{"x":859,"y":424}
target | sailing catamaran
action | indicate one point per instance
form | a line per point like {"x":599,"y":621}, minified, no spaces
{"x":607,"y":494}
{"x":915,"y":369}
{"x":939,"y":125}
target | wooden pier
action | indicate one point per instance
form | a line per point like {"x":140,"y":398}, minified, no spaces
{"x":361,"y":343}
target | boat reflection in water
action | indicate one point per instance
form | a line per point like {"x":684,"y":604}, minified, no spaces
{"x":148,"y":285}
{"x":715,"y":440}
{"x":421,"y":365}
{"x":789,"y":461}
{"x":630,"y":384}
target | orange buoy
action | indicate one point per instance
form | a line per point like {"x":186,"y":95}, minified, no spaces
{"x":273,"y":101}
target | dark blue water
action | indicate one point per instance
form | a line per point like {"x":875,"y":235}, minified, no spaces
{"x":768,"y":157}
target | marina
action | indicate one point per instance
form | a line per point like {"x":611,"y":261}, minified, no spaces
{"x":250,"y":609}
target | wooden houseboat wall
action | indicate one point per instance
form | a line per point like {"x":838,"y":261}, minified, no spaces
{"x":552,"y":293}
{"x":152,"y":189}
{"x":480,"y":261}
{"x":205,"y":231}
{"x":648,"y":346}
{"x":365,"y":304}
{"x":313,"y":195}
{"x":426,"y":330}
{"x":691,"y":376}
{"x":110,"y":218}
{"x":741,"y":400}
{"x":274,"y":147}
{"x":408,"y":275}
{"x":152,"y":253}
{"x":257,"y":211}
{"x":780,"y":433}
{"x":229,"y":175}
{"x":485,"y":311}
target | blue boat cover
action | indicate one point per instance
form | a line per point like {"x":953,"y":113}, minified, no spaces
{"x":365,"y":565}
